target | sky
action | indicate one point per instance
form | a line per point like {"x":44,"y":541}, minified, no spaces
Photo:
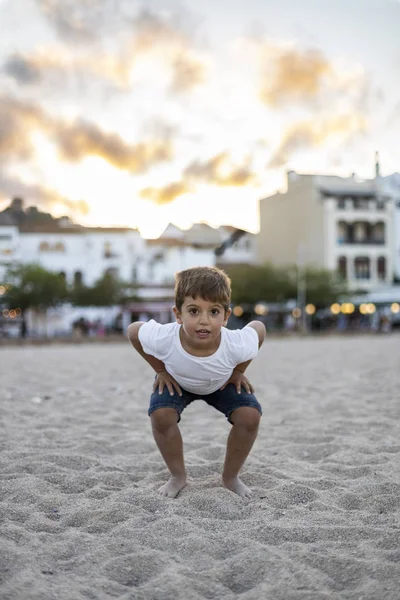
{"x":141,"y":113}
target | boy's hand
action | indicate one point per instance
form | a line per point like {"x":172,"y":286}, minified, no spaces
{"x":239,"y":379}
{"x":164,"y":379}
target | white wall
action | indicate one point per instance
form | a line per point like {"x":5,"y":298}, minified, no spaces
{"x":9,"y":246}
{"x":84,"y":252}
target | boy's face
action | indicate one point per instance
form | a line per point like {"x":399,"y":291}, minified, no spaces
{"x":201,"y":321}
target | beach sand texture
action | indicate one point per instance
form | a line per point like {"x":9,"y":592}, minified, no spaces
{"x":80,"y":514}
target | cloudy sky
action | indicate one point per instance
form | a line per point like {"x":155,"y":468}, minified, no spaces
{"x":141,"y":113}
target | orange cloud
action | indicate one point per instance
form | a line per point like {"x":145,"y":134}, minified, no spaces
{"x":292,"y":75}
{"x":82,"y":138}
{"x":187,"y":74}
{"x":220,"y":171}
{"x":75,"y":140}
{"x":309,"y":134}
{"x":53,"y":65}
{"x":166,"y":194}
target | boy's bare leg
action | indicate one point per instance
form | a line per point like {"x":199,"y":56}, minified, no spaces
{"x":169,"y":441}
{"x":240,"y":441}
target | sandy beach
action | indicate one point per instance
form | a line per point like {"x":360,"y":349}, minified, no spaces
{"x":79,"y":510}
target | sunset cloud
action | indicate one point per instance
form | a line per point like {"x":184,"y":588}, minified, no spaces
{"x":291,"y":75}
{"x":151,"y":29}
{"x":311,"y":133}
{"x":187,"y":73}
{"x":83,"y":138}
{"x":219,"y":170}
{"x":22,"y":69}
{"x":18,"y":119}
{"x":166,"y":194}
{"x":56,"y":66}
{"x":38,"y":195}
{"x":75,"y":140}
{"x":167,"y":35}
{"x":76,"y":21}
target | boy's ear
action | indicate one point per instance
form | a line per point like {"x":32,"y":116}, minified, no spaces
{"x":227,"y":315}
{"x":178,"y":315}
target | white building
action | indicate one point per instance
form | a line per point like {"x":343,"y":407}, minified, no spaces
{"x":85,"y":254}
{"x":390,"y":186}
{"x":82,"y":254}
{"x":326,"y":221}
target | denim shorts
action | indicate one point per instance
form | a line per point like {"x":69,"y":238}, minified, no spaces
{"x":226,"y":400}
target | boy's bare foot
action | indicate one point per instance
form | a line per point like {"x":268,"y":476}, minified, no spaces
{"x":172,"y":488}
{"x":237,"y":486}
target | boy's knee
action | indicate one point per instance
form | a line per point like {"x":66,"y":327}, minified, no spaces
{"x":247,"y":418}
{"x":163,"y":419}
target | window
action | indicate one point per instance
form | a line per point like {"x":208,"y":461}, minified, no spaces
{"x":342,"y":232}
{"x":44,"y":247}
{"x":108,"y":253}
{"x":78,"y":278}
{"x":379,"y":233}
{"x":362,"y":268}
{"x":59,"y":247}
{"x":5,"y":238}
{"x":381,"y":268}
{"x":342,"y":266}
{"x":341,"y":202}
{"x":361,"y":203}
{"x":112,"y":272}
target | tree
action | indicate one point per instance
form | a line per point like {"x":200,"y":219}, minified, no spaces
{"x":323,"y":287}
{"x":33,"y":287}
{"x":105,"y":292}
{"x":268,"y":283}
{"x":254,"y":283}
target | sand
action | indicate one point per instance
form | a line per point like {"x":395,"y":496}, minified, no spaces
{"x":80,"y":514}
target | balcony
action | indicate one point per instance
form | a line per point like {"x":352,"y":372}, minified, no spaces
{"x":361,"y":233}
{"x":363,"y":242}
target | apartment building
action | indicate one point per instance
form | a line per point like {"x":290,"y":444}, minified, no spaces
{"x":341,"y":224}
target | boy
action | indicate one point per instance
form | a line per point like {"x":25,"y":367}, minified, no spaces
{"x":197,"y":357}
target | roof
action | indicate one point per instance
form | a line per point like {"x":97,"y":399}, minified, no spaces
{"x":340,"y":186}
{"x":76,"y":230}
{"x":6,"y":220}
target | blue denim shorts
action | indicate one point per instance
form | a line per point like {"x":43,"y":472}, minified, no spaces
{"x":226,"y":400}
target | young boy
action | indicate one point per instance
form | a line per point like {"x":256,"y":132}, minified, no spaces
{"x":198,"y":358}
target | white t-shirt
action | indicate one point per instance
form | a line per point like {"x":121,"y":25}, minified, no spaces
{"x":198,"y":374}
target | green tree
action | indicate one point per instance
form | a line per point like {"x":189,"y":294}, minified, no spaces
{"x":32,"y":286}
{"x":268,"y":283}
{"x":254,"y":283}
{"x":107,"y":291}
{"x":323,"y":287}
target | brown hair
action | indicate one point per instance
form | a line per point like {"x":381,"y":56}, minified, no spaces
{"x":209,"y":283}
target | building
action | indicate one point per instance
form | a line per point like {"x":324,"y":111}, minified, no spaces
{"x":391,"y":187}
{"x":84,"y":254}
{"x":340,"y":224}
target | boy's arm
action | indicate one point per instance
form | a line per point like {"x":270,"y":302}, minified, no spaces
{"x":261,"y":332}
{"x":238,"y":378}
{"x":163,"y":378}
{"x":133,"y":336}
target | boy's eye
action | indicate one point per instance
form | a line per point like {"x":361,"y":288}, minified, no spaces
{"x":193,"y":311}
{"x":215,"y":311}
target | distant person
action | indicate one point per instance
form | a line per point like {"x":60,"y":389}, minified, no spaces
{"x":197,"y":357}
{"x":24,"y":328}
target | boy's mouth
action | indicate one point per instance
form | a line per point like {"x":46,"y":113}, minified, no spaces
{"x":202,"y":333}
